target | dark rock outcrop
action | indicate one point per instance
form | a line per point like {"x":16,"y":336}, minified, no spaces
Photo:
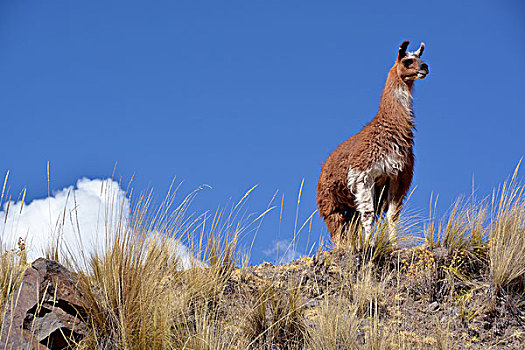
{"x":45,"y":312}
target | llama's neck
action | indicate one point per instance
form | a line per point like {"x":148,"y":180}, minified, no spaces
{"x":395,"y":110}
{"x":396,"y":94}
{"x":403,"y":96}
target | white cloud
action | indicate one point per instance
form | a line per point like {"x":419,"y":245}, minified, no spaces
{"x":283,"y":251}
{"x":79,"y":216}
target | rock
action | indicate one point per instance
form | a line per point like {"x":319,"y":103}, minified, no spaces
{"x":45,"y":312}
{"x":440,"y":253}
{"x":433,"y":307}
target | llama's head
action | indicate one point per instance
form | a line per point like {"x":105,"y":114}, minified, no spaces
{"x":410,"y":66}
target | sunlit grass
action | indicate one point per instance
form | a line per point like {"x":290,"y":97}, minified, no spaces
{"x":139,"y":293}
{"x":464,"y":227}
{"x":507,"y":237}
{"x":13,"y":263}
{"x":166,"y":278}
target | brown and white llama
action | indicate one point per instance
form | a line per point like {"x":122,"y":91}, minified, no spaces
{"x":370,"y":173}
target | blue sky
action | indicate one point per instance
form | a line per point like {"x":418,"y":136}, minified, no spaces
{"x":238,"y":93}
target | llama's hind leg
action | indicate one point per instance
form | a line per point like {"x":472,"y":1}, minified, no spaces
{"x":336,"y":225}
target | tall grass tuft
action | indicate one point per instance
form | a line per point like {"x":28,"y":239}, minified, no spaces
{"x":13,"y":263}
{"x":385,"y":239}
{"x":127,"y":284}
{"x":141,"y":294}
{"x":13,"y":260}
{"x":275,"y":321}
{"x":507,"y":237}
{"x":464,"y":228}
{"x":336,"y":325}
{"x":367,"y":291}
{"x":198,"y":309}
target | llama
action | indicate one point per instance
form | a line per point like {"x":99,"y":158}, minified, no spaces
{"x":370,"y":173}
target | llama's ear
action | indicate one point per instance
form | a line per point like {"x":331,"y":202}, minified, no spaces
{"x":403,"y":49}
{"x":419,"y":51}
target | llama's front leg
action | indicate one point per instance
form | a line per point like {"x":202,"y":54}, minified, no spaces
{"x":364,"y":197}
{"x":392,"y":213}
{"x":392,"y":217}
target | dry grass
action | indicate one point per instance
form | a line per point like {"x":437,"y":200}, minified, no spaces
{"x":351,"y":318}
{"x":12,"y":266}
{"x":473,"y":227}
{"x":141,"y":295}
{"x":275,"y":321}
{"x":464,"y":228}
{"x":507,"y":238}
{"x":197,"y":308}
{"x":127,"y":285}
{"x":384,"y":240}
{"x":368,"y":290}
{"x":336,"y":325}
{"x":13,"y":260}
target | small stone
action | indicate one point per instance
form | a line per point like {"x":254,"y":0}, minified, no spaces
{"x":433,"y":307}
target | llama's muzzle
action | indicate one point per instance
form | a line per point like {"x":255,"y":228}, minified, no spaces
{"x":423,"y":71}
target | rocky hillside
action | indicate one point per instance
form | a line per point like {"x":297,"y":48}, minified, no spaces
{"x":415,"y":298}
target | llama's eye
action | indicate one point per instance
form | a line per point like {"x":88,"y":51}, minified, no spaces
{"x":408,"y":62}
